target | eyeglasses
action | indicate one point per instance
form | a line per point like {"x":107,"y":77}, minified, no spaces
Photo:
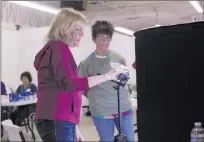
{"x":104,"y":38}
{"x":79,"y":29}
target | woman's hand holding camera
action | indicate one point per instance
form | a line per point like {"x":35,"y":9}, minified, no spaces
{"x":114,"y":72}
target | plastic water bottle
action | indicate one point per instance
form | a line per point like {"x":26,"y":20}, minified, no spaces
{"x":32,"y":96}
{"x":28,"y":97}
{"x":10,"y":97}
{"x":197,"y":133}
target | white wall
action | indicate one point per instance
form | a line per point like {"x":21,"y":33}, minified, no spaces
{"x":20,"y":47}
{"x":10,"y":56}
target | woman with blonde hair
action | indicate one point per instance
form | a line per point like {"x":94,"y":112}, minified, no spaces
{"x":59,"y":87}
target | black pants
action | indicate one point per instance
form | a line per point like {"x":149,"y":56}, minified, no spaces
{"x":21,"y":113}
{"x":46,"y":130}
{"x":54,"y":131}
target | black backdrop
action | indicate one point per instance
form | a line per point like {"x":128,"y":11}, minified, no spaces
{"x":170,"y":81}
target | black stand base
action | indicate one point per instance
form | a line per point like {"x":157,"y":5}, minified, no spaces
{"x":120,"y":138}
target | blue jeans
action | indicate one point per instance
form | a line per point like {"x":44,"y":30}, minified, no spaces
{"x":56,"y":131}
{"x":105,"y":127}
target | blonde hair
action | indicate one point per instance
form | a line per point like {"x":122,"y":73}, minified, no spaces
{"x":61,"y":25}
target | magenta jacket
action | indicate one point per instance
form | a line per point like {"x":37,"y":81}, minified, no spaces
{"x":59,"y":87}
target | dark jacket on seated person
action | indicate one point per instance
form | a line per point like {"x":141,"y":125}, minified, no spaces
{"x":3,"y":88}
{"x":30,"y":88}
{"x":4,"y":114}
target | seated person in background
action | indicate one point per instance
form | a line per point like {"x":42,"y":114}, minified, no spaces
{"x":27,"y":85}
{"x":103,"y":97}
{"x":20,"y":113}
{"x":3,"y":92}
{"x":3,"y":88}
{"x":4,"y":113}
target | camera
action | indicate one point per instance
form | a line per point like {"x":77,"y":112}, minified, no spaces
{"x":123,"y":76}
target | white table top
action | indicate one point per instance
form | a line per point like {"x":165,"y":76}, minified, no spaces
{"x":5,"y":102}
{"x":20,"y":103}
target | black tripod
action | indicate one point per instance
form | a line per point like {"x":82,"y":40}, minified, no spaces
{"x":120,"y":137}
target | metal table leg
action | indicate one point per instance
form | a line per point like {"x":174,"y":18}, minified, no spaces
{"x":31,"y":130}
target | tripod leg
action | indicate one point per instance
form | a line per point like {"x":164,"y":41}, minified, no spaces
{"x":120,"y":137}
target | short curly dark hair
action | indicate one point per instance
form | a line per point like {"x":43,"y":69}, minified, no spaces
{"x":27,"y":75}
{"x":102,"y":27}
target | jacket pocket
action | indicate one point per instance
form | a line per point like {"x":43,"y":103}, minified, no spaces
{"x":72,"y":104}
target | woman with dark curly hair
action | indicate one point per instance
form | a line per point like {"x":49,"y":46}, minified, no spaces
{"x":20,"y":113}
{"x":103,"y":97}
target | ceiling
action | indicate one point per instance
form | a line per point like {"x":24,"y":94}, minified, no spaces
{"x":133,"y":15}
